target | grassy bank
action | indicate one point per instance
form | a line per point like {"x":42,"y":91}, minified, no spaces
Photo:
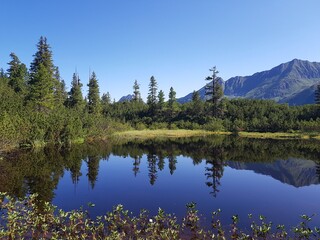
{"x":165,"y":133}
{"x":279,"y":135}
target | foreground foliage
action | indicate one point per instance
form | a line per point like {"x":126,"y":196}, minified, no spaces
{"x":31,"y":219}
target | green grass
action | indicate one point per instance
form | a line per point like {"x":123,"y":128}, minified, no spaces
{"x":278,"y":135}
{"x":163,"y":133}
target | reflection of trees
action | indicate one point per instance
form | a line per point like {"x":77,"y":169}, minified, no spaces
{"x":152,"y":166}
{"x":136,"y":165}
{"x":318,"y":169}
{"x":161,"y":161}
{"x":39,"y":171}
{"x":172,"y":163}
{"x":93,"y":169}
{"x":76,"y":171}
{"x":214,"y":171}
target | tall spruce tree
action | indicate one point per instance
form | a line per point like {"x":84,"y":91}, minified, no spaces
{"x":160,"y":100}
{"x":172,"y":98}
{"x":60,"y":93}
{"x":214,"y":92}
{"x":152,"y":96}
{"x":196,"y":106}
{"x":136,"y":92}
{"x":17,"y":74}
{"x":42,"y":81}
{"x":105,"y":103}
{"x":75,"y":98}
{"x":172,"y":103}
{"x":93,"y":95}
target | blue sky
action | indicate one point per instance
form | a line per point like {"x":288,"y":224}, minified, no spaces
{"x":177,"y":41}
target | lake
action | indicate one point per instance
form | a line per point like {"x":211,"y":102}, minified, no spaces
{"x":276,"y":178}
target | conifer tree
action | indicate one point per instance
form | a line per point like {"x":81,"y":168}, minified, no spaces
{"x":17,"y":74}
{"x":136,"y":92}
{"x":42,"y":82}
{"x":60,"y":93}
{"x":105,"y":102}
{"x":152,"y":96}
{"x":196,"y":105}
{"x":75,"y":99}
{"x":172,"y":98}
{"x":161,"y":100}
{"x":214,"y":92}
{"x":172,"y":103}
{"x":93,"y":95}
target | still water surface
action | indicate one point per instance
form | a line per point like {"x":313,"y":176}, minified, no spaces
{"x":278,"y":179}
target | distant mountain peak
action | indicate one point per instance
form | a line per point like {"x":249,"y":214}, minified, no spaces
{"x":287,"y":82}
{"x":127,"y":98}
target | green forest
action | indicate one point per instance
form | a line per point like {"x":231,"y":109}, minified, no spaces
{"x":36,"y":108}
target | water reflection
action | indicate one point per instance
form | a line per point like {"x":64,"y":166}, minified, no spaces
{"x":40,"y":171}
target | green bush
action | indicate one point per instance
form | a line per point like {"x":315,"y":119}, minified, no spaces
{"x":214,"y":125}
{"x":31,"y":219}
{"x":158,"y":125}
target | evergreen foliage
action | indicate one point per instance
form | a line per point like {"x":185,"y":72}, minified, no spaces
{"x":41,"y":93}
{"x":75,"y":98}
{"x":42,"y":81}
{"x":161,"y":100}
{"x":136,"y":92}
{"x":214,"y":92}
{"x":60,"y":93}
{"x":152,"y":96}
{"x":106,"y":103}
{"x":94,"y":105}
{"x":17,"y":74}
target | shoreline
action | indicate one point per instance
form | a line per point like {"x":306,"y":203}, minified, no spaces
{"x":176,"y":133}
{"x":165,"y":133}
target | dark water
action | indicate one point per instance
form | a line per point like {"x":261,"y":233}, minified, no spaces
{"x":278,"y":179}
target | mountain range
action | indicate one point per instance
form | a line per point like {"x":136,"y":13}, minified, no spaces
{"x":293,"y":82}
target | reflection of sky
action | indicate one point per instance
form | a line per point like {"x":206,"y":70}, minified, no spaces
{"x":241,"y":192}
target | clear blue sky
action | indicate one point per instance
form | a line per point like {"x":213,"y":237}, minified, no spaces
{"x":177,"y":41}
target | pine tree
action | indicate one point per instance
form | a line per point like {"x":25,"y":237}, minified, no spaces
{"x":42,"y":56}
{"x":196,"y":106}
{"x":60,"y":93}
{"x":93,"y":95}
{"x":42,"y":82}
{"x":17,"y":74}
{"x":195,"y":97}
{"x":172,"y":103}
{"x":75,"y":99}
{"x":105,"y":102}
{"x":172,"y":98}
{"x":214,"y":92}
{"x":152,"y":97}
{"x":41,"y":91}
{"x":136,"y":92}
{"x":160,"y":100}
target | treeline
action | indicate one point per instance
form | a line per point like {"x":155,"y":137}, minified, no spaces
{"x":35,"y":107}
